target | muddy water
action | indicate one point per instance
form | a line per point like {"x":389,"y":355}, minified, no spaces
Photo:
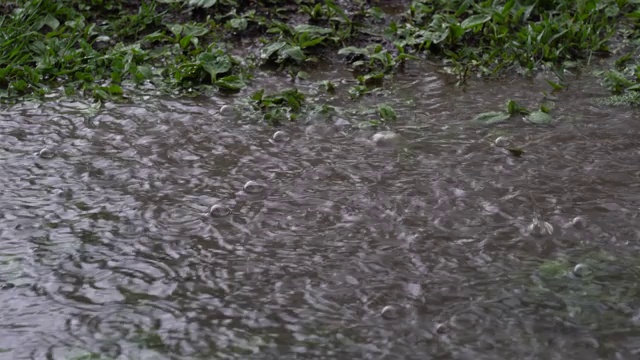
{"x":424,"y":249}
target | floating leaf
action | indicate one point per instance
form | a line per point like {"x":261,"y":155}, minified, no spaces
{"x":492,"y":117}
{"x":539,"y":118}
{"x":386,"y":112}
{"x":513,"y":108}
{"x":555,"y":85}
{"x":516,"y":152}
{"x":258,"y":95}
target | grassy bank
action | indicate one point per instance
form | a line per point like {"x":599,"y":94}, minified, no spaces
{"x":110,"y":49}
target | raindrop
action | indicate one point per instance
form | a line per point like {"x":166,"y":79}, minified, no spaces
{"x":253,"y":187}
{"x":226,"y":110}
{"x":579,"y":222}
{"x":390,"y":312}
{"x":351,"y":280}
{"x":340,"y":122}
{"x":502,"y":141}
{"x":581,"y":270}
{"x":280,"y":136}
{"x":218,"y":210}
{"x":440,"y":328}
{"x":385,"y":138}
{"x":46,"y":153}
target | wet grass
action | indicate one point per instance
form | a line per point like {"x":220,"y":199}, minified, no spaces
{"x":112,"y":50}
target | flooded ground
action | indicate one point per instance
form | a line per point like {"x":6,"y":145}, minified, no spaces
{"x":423,"y":249}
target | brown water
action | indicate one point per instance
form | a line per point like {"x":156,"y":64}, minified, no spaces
{"x":421,"y":250}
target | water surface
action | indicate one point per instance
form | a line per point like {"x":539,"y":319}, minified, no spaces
{"x":421,"y":250}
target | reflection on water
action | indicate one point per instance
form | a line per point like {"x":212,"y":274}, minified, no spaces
{"x":420,"y":250}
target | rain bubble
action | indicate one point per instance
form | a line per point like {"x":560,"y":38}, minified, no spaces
{"x":280,"y":136}
{"x":218,"y":210}
{"x":502,"y":141}
{"x":340,"y":122}
{"x":440,"y":328}
{"x":390,"y":312}
{"x":579,"y":222}
{"x":581,"y":270}
{"x":253,"y":187}
{"x":385,"y":138}
{"x":46,"y":153}
{"x":226,"y":110}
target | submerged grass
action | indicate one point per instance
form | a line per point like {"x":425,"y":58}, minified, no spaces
{"x":109,"y":50}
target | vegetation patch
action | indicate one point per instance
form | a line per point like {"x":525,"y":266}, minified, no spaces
{"x":111,"y":50}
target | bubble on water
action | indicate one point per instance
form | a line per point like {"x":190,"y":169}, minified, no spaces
{"x":253,"y":187}
{"x":7,"y":286}
{"x":351,"y":280}
{"x":340,"y":122}
{"x":581,"y":270}
{"x":579,"y":222}
{"x":390,"y":312}
{"x":502,"y":141}
{"x":440,"y":328}
{"x":280,"y":136}
{"x":46,"y":153}
{"x":226,"y":110}
{"x":385,"y":138}
{"x":218,"y":210}
{"x":314,"y":130}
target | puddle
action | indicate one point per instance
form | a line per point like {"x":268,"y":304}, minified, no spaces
{"x":421,"y":249}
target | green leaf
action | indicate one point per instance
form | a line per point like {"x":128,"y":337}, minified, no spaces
{"x":386,"y":112}
{"x":311,"y":29}
{"x":202,"y":3}
{"x":184,"y":42}
{"x":352,"y":50}
{"x":145,"y":72}
{"x":20,"y":85}
{"x":555,"y":85}
{"x":329,"y":86}
{"x":176,"y":29}
{"x":293,"y":52}
{"x":258,"y":95}
{"x":215,"y":65}
{"x":475,"y":20}
{"x":232,"y":82}
{"x":492,"y":117}
{"x":100,"y":94}
{"x":238,"y":24}
{"x":313,"y":42}
{"x":539,"y":118}
{"x":51,"y":21}
{"x":194,"y":30}
{"x":516,"y":152}
{"x":114,"y":89}
{"x":271,"y":49}
{"x":514,"y":108}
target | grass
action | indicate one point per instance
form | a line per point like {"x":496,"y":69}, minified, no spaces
{"x":112,"y":50}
